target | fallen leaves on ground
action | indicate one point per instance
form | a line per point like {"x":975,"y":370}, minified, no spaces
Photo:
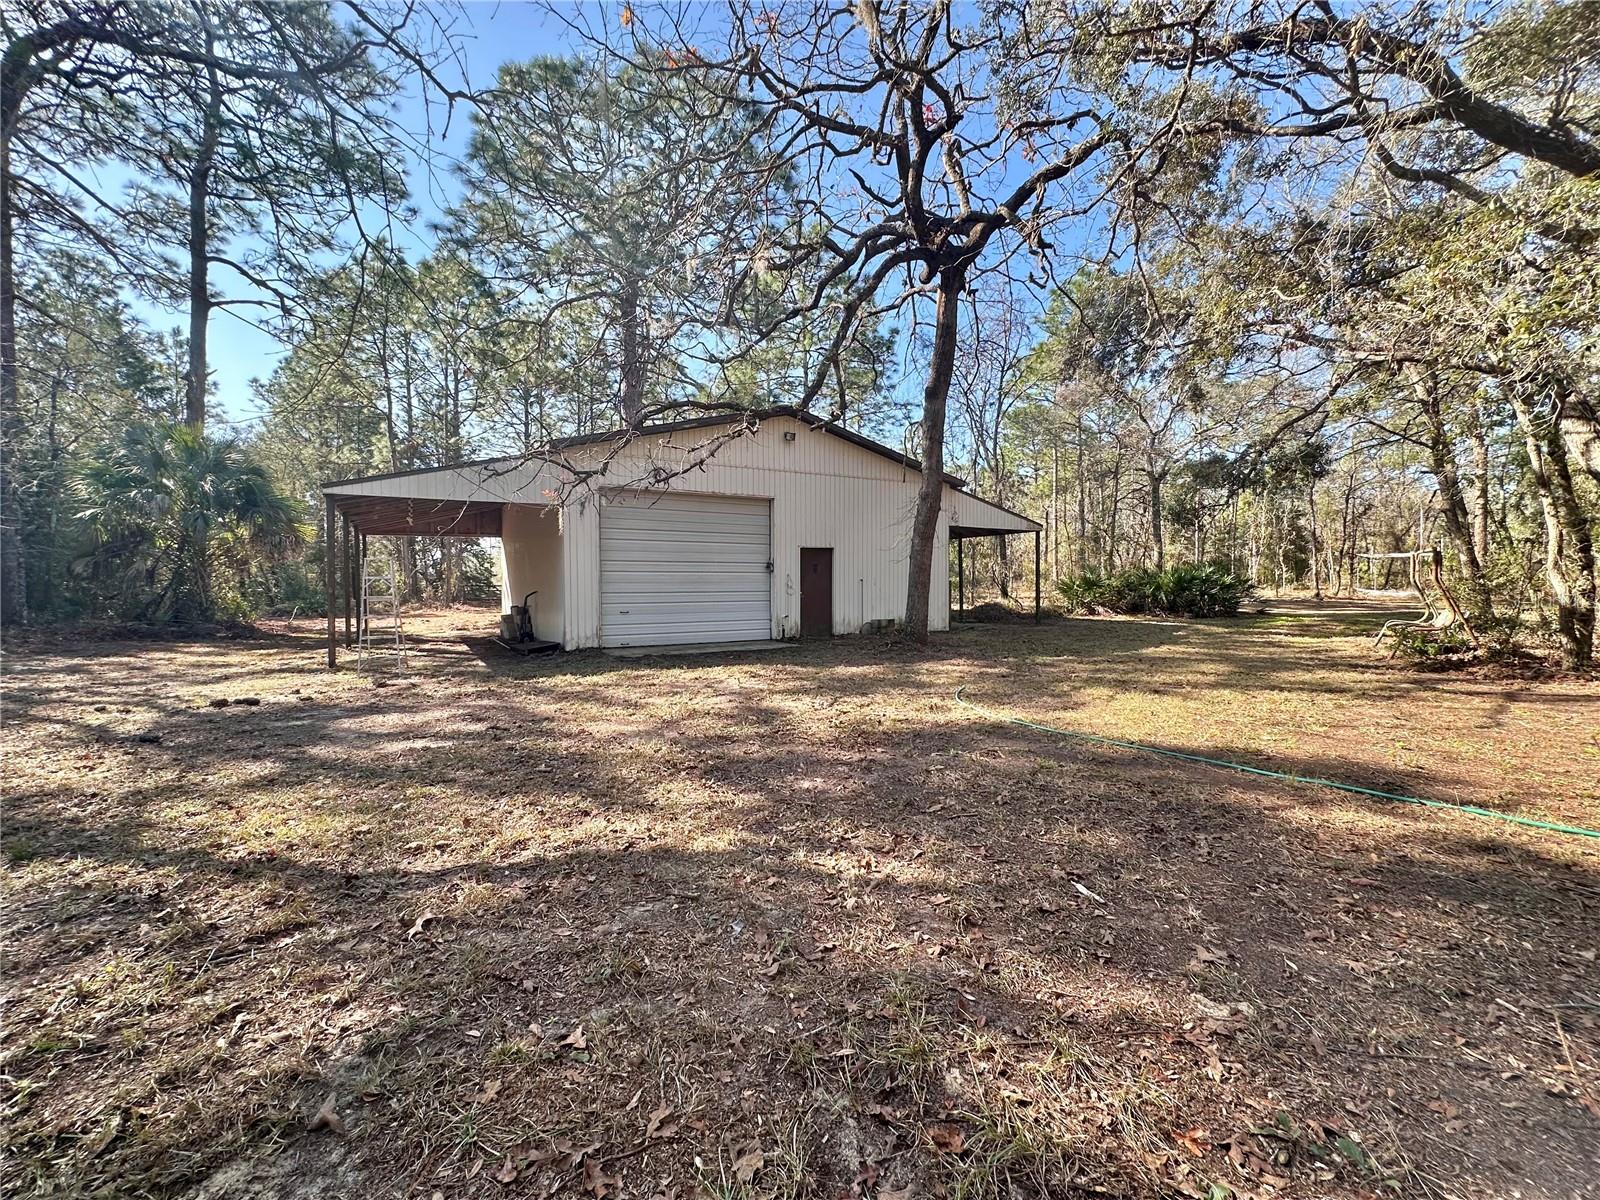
{"x":748,"y":1160}
{"x":659,"y":1126}
{"x":947,"y":1137}
{"x":327,"y":1118}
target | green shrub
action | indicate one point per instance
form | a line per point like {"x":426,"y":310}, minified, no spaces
{"x":1195,"y":590}
{"x":295,"y":586}
{"x":1081,"y":593}
{"x":1423,"y":643}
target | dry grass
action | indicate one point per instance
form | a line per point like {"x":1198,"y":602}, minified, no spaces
{"x":795,"y":924}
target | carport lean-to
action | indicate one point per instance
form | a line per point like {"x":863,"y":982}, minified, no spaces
{"x":350,"y":520}
{"x":960,"y":535}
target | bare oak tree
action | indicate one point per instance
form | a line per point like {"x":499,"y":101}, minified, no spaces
{"x":925,"y":145}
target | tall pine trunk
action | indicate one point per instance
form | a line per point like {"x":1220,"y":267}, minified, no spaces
{"x":194,"y":399}
{"x":1080,"y":547}
{"x":930,"y":494}
{"x":631,"y":401}
{"x":13,"y":569}
{"x":1055,"y":506}
{"x":14,"y":79}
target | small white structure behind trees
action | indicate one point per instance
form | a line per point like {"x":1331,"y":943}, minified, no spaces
{"x":728,"y":528}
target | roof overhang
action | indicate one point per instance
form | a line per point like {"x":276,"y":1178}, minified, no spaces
{"x":467,"y":499}
{"x":972,"y":516}
{"x":957,"y":532}
{"x":405,"y":516}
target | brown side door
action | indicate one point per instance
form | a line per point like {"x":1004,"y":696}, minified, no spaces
{"x":816,"y":593}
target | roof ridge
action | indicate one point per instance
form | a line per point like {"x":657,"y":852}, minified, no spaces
{"x":751,"y":417}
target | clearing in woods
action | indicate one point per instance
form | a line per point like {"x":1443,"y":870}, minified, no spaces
{"x":794,"y":923}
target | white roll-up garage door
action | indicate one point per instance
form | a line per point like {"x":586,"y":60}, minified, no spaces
{"x":676,"y":569}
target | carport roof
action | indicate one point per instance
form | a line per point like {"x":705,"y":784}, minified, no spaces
{"x":407,"y":517}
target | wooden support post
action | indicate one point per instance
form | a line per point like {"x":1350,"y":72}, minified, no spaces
{"x":329,"y":566}
{"x":961,"y":579}
{"x":349,"y":579}
{"x":1035,"y":574}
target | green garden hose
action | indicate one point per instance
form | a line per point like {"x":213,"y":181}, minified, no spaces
{"x":1471,"y":810}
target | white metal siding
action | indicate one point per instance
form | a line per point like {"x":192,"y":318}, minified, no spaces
{"x":580,"y":565}
{"x":678,"y":568}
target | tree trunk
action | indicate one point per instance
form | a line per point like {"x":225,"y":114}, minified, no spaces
{"x":1569,"y":559}
{"x":1081,"y":548}
{"x":1578,"y":421}
{"x":1457,"y":521}
{"x":1055,"y":507}
{"x":55,"y":554}
{"x":1234,"y":557}
{"x":1281,"y":549}
{"x":1157,"y":534}
{"x":1347,"y":533}
{"x":1311,"y":532}
{"x":410,"y":560}
{"x":13,"y":569}
{"x":1480,"y":487}
{"x":631,"y":401}
{"x":1112,"y":514}
{"x":930,"y":494}
{"x":194,"y":400}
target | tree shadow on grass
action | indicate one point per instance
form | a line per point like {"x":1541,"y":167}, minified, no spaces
{"x":953,"y":931}
{"x":1077,"y":951}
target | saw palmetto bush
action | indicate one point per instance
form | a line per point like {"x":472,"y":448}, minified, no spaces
{"x":175,"y":521}
{"x":1194,"y":590}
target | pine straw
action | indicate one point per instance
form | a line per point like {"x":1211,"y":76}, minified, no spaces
{"x":792,"y":924}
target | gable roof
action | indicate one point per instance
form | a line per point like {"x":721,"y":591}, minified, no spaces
{"x":750,"y":420}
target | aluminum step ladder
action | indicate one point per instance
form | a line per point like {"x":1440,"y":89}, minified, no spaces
{"x":380,"y":632}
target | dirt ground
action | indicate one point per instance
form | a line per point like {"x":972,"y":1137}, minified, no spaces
{"x":797,"y":923}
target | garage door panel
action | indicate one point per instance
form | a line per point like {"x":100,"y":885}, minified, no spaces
{"x":644,"y":555}
{"x":676,"y":588}
{"x":678,"y":569}
{"x":649,"y":517}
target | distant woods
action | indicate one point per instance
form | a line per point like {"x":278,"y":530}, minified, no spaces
{"x":203,"y":157}
{"x":1367,"y":324}
{"x":1265,"y":287}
